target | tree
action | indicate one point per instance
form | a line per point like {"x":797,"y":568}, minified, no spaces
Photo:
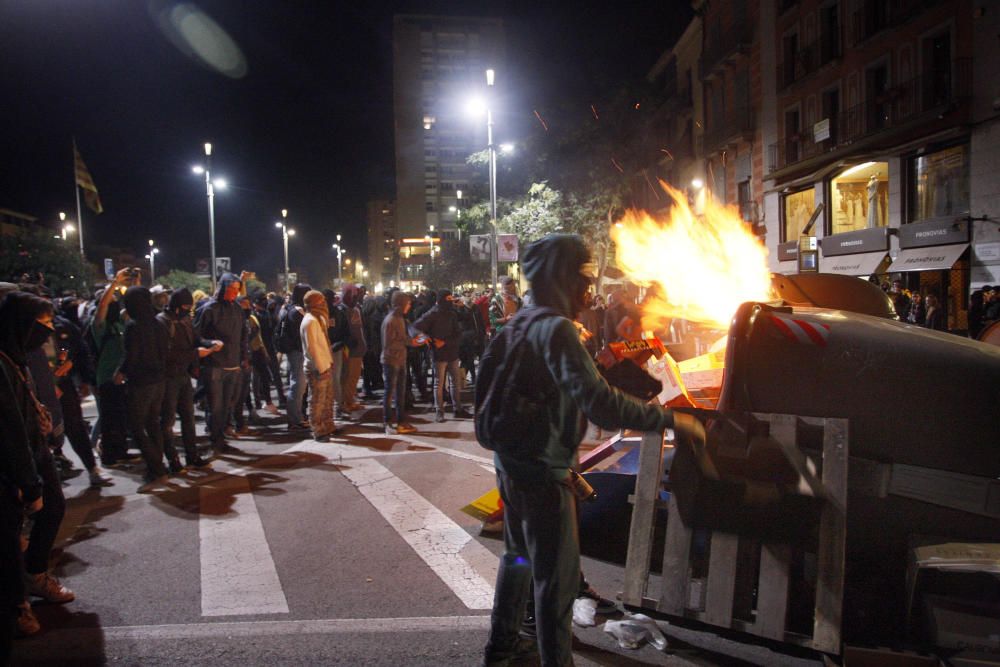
{"x":32,"y":252}
{"x":454,"y":266}
{"x":193,"y":282}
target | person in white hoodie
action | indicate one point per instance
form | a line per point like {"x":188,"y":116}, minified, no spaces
{"x":318,"y":364}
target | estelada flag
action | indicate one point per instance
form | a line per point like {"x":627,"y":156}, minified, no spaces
{"x":84,"y":180}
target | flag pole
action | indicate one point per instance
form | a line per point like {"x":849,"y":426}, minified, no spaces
{"x":79,"y":211}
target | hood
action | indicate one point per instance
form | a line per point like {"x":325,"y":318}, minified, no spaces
{"x":331,"y":299}
{"x":225,"y":281}
{"x":442,"y":302}
{"x":299,"y":293}
{"x":18,"y":311}
{"x":552,"y":265}
{"x":68,"y":308}
{"x":352,"y":295}
{"x":180,"y":297}
{"x":139,"y":303}
{"x":315,"y":303}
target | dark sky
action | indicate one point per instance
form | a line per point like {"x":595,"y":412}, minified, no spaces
{"x":308,"y":128}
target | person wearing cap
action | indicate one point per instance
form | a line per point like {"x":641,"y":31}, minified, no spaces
{"x":318,"y":364}
{"x":541,"y":543}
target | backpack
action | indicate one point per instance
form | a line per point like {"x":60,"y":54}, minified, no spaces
{"x":286,"y":338}
{"x":512,"y":393}
{"x":340,"y":327}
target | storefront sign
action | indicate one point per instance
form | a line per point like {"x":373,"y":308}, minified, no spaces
{"x":821,"y":130}
{"x":788,"y":252}
{"x":507,"y":247}
{"x":863,"y":264}
{"x":936,"y":258}
{"x":933,"y":233}
{"x":862,"y":240}
{"x":986,"y":252}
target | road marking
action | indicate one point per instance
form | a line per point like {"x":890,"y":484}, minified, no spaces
{"x":444,"y":545}
{"x":230,"y":629}
{"x":238,"y":575}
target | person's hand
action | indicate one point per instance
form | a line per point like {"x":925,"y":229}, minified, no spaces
{"x":217,"y":345}
{"x":119,"y":378}
{"x":63,"y":369}
{"x":121,"y":277}
{"x":247,"y":275}
{"x":35,"y":506}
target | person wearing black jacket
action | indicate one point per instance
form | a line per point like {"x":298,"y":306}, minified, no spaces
{"x":221,"y":319}
{"x":441,"y":324}
{"x":266,"y":371}
{"x":289,"y":322}
{"x":184,"y":349}
{"x":144,"y":371}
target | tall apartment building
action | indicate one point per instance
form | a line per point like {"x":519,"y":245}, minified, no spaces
{"x":383,"y":246}
{"x":439,"y":63}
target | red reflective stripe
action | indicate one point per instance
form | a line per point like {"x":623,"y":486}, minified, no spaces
{"x":810,"y":331}
{"x":783,"y":326}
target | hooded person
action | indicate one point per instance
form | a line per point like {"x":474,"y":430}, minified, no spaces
{"x":143,"y":370}
{"x":290,"y":343}
{"x":29,"y":479}
{"x":318,"y":364}
{"x":106,"y":332}
{"x":395,"y":340}
{"x":221,"y":319}
{"x":540,"y":523}
{"x":184,"y":350}
{"x":356,"y":347}
{"x":441,"y":324}
{"x":265,"y":363}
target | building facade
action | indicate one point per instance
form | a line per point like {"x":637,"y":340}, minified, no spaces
{"x":383,"y":246}
{"x":439,"y":63}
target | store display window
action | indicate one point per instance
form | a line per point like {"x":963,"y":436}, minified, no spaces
{"x":797,"y":207}
{"x":939,"y":184}
{"x":859,"y":198}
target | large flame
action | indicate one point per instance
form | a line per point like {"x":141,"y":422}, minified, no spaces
{"x":706,"y":266}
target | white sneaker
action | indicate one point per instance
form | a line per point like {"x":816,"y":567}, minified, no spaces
{"x":271,"y":408}
{"x":99,"y":478}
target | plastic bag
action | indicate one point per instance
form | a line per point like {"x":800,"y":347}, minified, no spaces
{"x":633,"y":629}
{"x":584,"y":610}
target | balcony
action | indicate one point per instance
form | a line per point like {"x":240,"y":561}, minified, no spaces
{"x":738,"y":125}
{"x":808,"y":59}
{"x":722,"y":47}
{"x":874,"y":16}
{"x":907,"y":104}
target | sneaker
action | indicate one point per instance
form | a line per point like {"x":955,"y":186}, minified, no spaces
{"x":244,"y":431}
{"x":155,"y":484}
{"x":27,"y":622}
{"x":405,"y":428}
{"x":462,"y":414}
{"x":271,"y":409}
{"x":439,"y":417}
{"x":48,"y":588}
{"x":175,"y":466}
{"x":231,"y":433}
{"x":99,"y":478}
{"x":196,"y":462}
{"x":604,"y":605}
{"x":389,"y":429}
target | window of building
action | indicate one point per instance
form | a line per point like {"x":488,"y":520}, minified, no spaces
{"x":429,"y":122}
{"x":939,"y":184}
{"x":744,"y":198}
{"x":796,"y":209}
{"x":429,"y":206}
{"x":937,"y":69}
{"x":859,"y":198}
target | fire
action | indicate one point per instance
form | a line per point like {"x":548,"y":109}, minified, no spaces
{"x":705,"y":266}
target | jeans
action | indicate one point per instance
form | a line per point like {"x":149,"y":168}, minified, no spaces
{"x":394,"y":381}
{"x":541,"y":544}
{"x":241,"y":399}
{"x":222,"y":387}
{"x":112,"y":408}
{"x":274,"y":379}
{"x":349,"y":385}
{"x":48,"y":519}
{"x":178,"y":401}
{"x":321,"y":404}
{"x":452,"y":369}
{"x":145,"y":405}
{"x":296,"y":386}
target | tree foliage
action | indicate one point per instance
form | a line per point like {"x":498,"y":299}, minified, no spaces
{"x":454,"y":267}
{"x":32,"y":252}
{"x":177,"y":279}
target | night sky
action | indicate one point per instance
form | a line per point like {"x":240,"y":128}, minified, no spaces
{"x":307,"y":128}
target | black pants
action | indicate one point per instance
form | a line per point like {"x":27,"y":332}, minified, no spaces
{"x":274,"y":378}
{"x":145,"y":405}
{"x":178,"y":401}
{"x":76,"y":429}
{"x":112,"y":406}
{"x":222,"y":386}
{"x":371,"y":374}
{"x":11,"y":567}
{"x":241,"y":400}
{"x":261,"y":380}
{"x":541,"y":546}
{"x":47,"y":520}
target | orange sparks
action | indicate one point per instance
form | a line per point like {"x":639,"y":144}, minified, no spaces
{"x":617,"y":166}
{"x":594,"y":111}
{"x":540,"y":120}
{"x":705,"y":266}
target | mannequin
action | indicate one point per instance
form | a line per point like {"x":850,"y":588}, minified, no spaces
{"x":873,"y":202}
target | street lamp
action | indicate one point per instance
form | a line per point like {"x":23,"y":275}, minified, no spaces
{"x":490,"y":77}
{"x":340,"y":268}
{"x":210,"y":186}
{"x":65,"y":227}
{"x":285,"y":233}
{"x":152,"y":262}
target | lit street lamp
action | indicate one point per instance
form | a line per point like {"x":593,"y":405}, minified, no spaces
{"x":340,"y":267}
{"x":285,"y":233}
{"x":210,"y":186}
{"x":490,"y":75}
{"x":66,"y":227}
{"x":152,"y":262}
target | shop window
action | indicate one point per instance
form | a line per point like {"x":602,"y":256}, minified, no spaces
{"x":797,"y":208}
{"x":939,"y":184}
{"x":859,"y":198}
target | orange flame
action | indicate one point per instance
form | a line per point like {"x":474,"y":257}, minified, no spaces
{"x":705,"y":266}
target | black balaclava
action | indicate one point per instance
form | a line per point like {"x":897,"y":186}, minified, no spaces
{"x":299,"y":293}
{"x":20,"y":333}
{"x":180,"y":297}
{"x":554,"y":265}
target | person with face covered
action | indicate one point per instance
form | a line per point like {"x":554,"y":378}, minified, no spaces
{"x":107,"y":331}
{"x":356,"y":347}
{"x":184,"y":349}
{"x":221,"y":319}
{"x":289,"y":325}
{"x":143,"y":371}
{"x":540,"y":523}
{"x":29,"y":480}
{"x":441,"y":324}
{"x":318,"y":364}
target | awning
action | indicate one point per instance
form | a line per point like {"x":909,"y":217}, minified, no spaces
{"x":859,"y":264}
{"x":933,"y":258}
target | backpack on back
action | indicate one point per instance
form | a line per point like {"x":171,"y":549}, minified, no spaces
{"x":286,"y":338}
{"x":512,"y":393}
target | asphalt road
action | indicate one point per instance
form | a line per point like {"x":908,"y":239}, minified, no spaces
{"x":293,"y":552}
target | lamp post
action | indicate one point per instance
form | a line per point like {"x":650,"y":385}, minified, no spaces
{"x":340,"y":267}
{"x":152,"y":261}
{"x":285,"y":233}
{"x":490,"y":74}
{"x":430,"y":239}
{"x":210,"y":186}
{"x":66,"y":227}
